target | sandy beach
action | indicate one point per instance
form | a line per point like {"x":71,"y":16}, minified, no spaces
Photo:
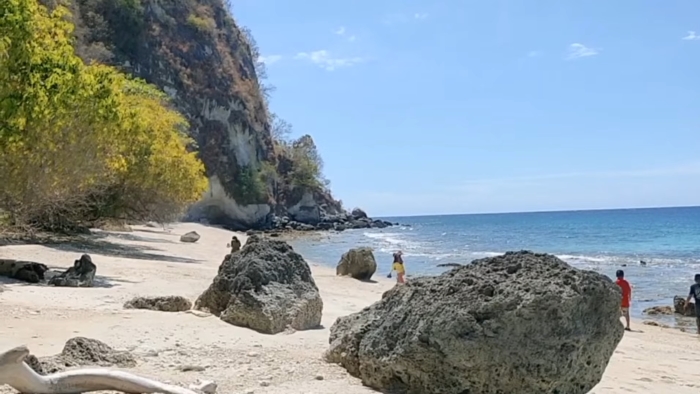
{"x":151,"y":262}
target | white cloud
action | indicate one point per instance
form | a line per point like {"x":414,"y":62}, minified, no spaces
{"x":420,"y":15}
{"x":692,"y":36}
{"x":577,"y":51}
{"x":271,"y":59}
{"x":341,"y":31}
{"x":324,"y":60}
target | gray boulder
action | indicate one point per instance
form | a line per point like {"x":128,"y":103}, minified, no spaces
{"x":265,"y":286}
{"x":359,"y":263}
{"x":163,"y":304}
{"x":518,"y":323}
{"x":81,"y":351}
{"x":192,"y":236}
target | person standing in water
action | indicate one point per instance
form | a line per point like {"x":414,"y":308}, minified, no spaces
{"x":626,"y":296}
{"x":397,"y":266}
{"x":695,"y":295}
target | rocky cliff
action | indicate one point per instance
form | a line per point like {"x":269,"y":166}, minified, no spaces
{"x":195,"y":52}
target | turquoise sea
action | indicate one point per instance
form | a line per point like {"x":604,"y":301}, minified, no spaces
{"x":604,"y":241}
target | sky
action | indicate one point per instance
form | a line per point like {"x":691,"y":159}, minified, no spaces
{"x":461,"y":106}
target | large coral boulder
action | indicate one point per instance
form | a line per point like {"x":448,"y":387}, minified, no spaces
{"x":359,"y":263}
{"x":518,"y":323}
{"x":265,"y":286}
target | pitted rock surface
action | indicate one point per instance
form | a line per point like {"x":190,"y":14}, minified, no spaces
{"x":81,"y":351}
{"x":265,"y":286}
{"x":518,"y":323}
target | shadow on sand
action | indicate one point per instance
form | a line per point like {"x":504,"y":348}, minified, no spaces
{"x":106,"y":248}
{"x":100,"y":281}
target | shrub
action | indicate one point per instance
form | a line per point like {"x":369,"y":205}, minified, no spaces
{"x":203,"y":25}
{"x":78,"y":142}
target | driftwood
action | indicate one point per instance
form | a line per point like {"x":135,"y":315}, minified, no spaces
{"x":18,"y":375}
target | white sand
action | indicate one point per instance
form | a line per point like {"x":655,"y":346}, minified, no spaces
{"x":655,"y":360}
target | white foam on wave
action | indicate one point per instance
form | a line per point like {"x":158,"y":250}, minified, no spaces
{"x":584,"y":258}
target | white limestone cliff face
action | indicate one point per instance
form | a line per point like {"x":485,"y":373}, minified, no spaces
{"x":306,"y":210}
{"x":218,"y":206}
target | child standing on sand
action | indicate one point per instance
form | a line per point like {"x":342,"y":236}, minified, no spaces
{"x":397,"y":266}
{"x":626,"y":296}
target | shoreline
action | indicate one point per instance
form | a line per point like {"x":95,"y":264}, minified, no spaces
{"x":95,"y":239}
{"x":149,"y":262}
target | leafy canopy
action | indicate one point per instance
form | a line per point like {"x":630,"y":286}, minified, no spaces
{"x":78,"y":142}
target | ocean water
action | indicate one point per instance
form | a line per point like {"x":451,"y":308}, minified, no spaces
{"x":603,"y":241}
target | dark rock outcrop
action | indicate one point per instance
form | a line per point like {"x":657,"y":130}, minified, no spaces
{"x":191,"y":237}
{"x":81,"y":274}
{"x":659,"y":310}
{"x":265,"y":286}
{"x":163,"y":304}
{"x":449,"y":265}
{"x":359,"y":263}
{"x":517,"y":323}
{"x":25,"y":271}
{"x":81,"y":351}
{"x":680,"y":307}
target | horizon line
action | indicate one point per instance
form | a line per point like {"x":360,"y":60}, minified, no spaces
{"x":541,"y":211}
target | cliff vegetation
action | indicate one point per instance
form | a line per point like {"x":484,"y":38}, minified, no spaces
{"x":144,"y":110}
{"x":83,"y":142}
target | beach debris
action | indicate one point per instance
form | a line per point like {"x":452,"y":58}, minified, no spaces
{"x":19,"y":375}
{"x":681,"y":308}
{"x":81,"y":274}
{"x":532,"y":320}
{"x":162,"y":303}
{"x":191,"y":236}
{"x":205,"y":386}
{"x":191,"y":368}
{"x":359,"y":263}
{"x":659,"y":310}
{"x":266,"y":286}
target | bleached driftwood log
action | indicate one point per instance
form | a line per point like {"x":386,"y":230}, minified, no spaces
{"x":18,"y":375}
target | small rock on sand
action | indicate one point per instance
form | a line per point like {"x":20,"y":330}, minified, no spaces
{"x":163,"y":304}
{"x":191,"y":236}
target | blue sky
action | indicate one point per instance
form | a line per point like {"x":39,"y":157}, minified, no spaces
{"x":459,"y":106}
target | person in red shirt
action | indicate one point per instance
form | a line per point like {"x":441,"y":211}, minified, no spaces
{"x":626,"y":296}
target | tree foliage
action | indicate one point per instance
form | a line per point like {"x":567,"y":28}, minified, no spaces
{"x":81,"y":142}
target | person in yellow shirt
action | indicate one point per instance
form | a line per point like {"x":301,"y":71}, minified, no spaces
{"x":398,"y":266}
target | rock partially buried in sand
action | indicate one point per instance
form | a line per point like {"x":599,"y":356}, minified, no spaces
{"x":265,"y":286}
{"x":519,"y":323}
{"x":81,"y":351}
{"x":26,"y":271}
{"x":359,"y":263}
{"x":192,"y":236}
{"x":81,"y":274}
{"x":163,"y":304}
